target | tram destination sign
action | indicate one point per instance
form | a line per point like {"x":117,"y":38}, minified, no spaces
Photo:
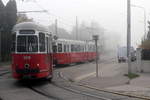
{"x":26,"y":32}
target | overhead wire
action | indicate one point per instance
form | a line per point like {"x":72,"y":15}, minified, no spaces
{"x":51,"y":14}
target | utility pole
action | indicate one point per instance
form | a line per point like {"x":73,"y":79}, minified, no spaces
{"x":76,"y":28}
{"x":56,"y":27}
{"x":129,"y":35}
{"x":95,"y":38}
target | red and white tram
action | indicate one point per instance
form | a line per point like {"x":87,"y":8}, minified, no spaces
{"x":31,"y":51}
{"x":73,"y":51}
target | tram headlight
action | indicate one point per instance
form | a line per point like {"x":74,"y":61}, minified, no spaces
{"x":38,"y":65}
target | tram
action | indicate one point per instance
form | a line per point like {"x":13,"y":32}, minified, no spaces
{"x":73,"y":51}
{"x":31,"y":51}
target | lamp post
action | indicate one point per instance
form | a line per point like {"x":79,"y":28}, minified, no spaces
{"x":144,"y":17}
{"x":95,"y":38}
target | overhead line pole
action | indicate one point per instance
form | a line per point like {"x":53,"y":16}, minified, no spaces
{"x":129,"y":35}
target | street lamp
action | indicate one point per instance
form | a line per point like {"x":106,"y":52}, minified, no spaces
{"x":144,"y":16}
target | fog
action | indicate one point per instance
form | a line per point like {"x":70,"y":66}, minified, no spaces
{"x":110,"y":14}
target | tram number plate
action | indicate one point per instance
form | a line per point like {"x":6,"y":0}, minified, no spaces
{"x":27,"y":57}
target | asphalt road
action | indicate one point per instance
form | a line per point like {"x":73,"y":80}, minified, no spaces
{"x":61,"y":89}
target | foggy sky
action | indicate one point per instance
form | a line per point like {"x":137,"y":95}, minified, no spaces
{"x":111,"y":14}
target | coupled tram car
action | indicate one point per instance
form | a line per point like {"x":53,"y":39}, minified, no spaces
{"x":35,"y":51}
{"x":73,"y":51}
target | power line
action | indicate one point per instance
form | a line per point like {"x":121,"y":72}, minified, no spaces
{"x":38,"y":11}
{"x":54,"y":15}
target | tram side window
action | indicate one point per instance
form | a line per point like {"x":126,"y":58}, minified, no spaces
{"x":42,"y":42}
{"x":84,"y":48}
{"x":72,"y":48}
{"x":75,"y":48}
{"x":78,"y":48}
{"x":59,"y":47}
{"x":54,"y":48}
{"x":65,"y":48}
{"x":89,"y":48}
{"x":13,"y":42}
{"x":94,"y":49}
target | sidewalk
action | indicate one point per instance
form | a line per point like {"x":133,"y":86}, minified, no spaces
{"x":111,"y":77}
{"x":104,"y":82}
{"x":139,"y":86}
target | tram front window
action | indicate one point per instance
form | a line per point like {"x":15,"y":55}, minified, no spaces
{"x":27,"y":44}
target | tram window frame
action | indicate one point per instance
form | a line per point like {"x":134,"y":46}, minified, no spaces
{"x":59,"y":47}
{"x":42,"y":47}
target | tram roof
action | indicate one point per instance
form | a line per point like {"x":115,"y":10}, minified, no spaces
{"x":30,"y":26}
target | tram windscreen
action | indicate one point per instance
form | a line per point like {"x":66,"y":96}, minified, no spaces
{"x":27,"y":44}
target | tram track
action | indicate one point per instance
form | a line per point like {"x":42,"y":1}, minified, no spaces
{"x":48,"y":95}
{"x":2,"y":73}
{"x":43,"y":93}
{"x":81,"y":92}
